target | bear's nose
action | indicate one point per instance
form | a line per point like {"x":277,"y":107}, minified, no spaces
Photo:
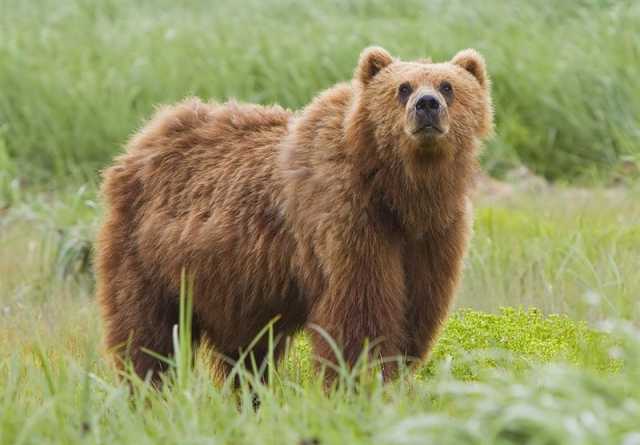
{"x":428,"y":103}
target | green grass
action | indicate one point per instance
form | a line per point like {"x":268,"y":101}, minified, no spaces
{"x":529,"y":373}
{"x":543,"y":344}
{"x":564,"y":250}
{"x":78,"y":76}
{"x":75,"y":398}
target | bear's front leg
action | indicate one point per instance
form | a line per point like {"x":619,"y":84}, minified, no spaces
{"x":433,"y":266}
{"x":364,"y":300}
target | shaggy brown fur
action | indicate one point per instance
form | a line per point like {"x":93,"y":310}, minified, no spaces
{"x":352,"y":215}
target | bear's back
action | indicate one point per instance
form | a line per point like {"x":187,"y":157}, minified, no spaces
{"x":195,"y":154}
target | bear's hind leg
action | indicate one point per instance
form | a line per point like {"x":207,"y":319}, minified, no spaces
{"x":140,"y":318}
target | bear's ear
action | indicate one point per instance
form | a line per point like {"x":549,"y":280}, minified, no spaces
{"x":472,"y":61}
{"x":372,"y":60}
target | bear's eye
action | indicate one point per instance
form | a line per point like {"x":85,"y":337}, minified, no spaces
{"x":446,"y":88}
{"x":404,"y":91}
{"x":447,"y":91}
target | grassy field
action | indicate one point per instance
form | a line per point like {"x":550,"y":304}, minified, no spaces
{"x":543,"y":346}
{"x":516,"y":375}
{"x":78,"y":76}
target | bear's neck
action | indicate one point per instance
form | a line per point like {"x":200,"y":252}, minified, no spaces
{"x":429,"y":198}
{"x":423,"y":193}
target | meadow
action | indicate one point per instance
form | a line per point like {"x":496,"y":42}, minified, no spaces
{"x":557,"y":364}
{"x":543,"y":344}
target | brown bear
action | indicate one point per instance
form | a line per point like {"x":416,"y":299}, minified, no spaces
{"x":352,"y":215}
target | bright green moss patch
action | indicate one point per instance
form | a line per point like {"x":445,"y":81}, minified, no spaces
{"x":474,"y":341}
{"x":517,"y":338}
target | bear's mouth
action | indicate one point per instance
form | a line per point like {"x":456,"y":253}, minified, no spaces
{"x":429,"y":129}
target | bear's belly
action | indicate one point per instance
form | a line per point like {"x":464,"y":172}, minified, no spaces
{"x":242,"y":272}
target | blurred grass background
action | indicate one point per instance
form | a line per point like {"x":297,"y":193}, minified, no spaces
{"x":78,"y":76}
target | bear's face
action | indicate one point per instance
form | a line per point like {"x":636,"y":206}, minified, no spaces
{"x":424,"y":106}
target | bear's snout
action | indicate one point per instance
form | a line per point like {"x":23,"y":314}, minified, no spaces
{"x":427,"y":104}
{"x":430,"y":114}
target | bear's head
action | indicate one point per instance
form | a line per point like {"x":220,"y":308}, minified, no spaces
{"x":423,"y":107}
